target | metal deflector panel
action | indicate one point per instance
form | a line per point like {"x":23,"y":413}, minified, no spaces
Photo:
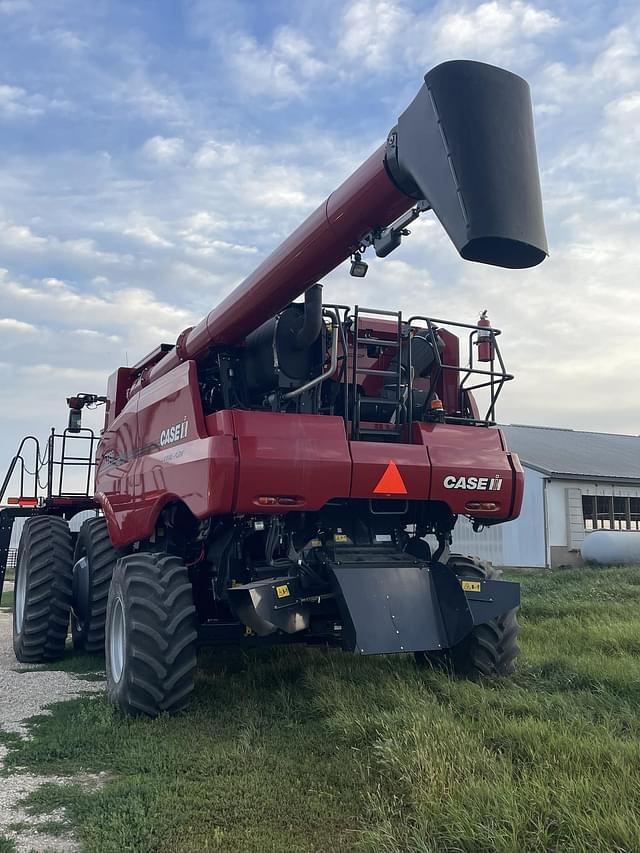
{"x":399,"y":608}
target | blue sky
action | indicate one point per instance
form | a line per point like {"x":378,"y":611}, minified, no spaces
{"x":154,"y":152}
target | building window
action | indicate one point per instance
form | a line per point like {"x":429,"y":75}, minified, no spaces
{"x":606,"y":512}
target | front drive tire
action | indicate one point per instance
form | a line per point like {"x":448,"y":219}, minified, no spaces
{"x":150,"y":640}
{"x":94,"y":561}
{"x":489,"y":649}
{"x":42,"y":590}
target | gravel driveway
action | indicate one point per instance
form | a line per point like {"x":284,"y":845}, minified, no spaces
{"x":24,"y":692}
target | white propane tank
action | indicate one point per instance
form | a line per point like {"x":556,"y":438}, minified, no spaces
{"x":611,"y":547}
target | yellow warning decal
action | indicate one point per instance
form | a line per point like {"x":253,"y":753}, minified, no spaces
{"x":340,"y":537}
{"x":282,"y":591}
{"x":471,"y":586}
{"x":316,"y":543}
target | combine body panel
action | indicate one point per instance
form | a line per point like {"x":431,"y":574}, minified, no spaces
{"x":293,"y":472}
{"x":226,"y":463}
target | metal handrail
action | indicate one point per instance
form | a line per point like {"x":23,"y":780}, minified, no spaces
{"x":496,"y":378}
{"x":18,"y":458}
{"x":55,"y":467}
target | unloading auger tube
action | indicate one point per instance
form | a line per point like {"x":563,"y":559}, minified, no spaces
{"x":465,"y":146}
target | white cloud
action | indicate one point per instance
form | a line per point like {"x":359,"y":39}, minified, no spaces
{"x":19,"y":238}
{"x":492,"y":26}
{"x":624,"y":106}
{"x":216,"y":154}
{"x":291,"y":45}
{"x":598,"y":107}
{"x":163,"y":149}
{"x":281,"y":69}
{"x":10,"y":324}
{"x":10,"y":7}
{"x":370,"y":32}
{"x":147,"y":235}
{"x":202,"y":245}
{"x":45,"y":370}
{"x":134,"y":310}
{"x":361,"y":38}
{"x":67,"y":40}
{"x":618,"y":62}
{"x":378,"y":36}
{"x":154,"y":99}
{"x":92,"y":333}
{"x":16,"y":102}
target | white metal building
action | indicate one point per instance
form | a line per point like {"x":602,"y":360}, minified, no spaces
{"x":575,"y":482}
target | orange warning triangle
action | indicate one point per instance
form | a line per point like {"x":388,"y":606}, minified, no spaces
{"x":391,"y":482}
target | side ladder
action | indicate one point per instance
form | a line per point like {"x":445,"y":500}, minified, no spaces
{"x":394,"y":402}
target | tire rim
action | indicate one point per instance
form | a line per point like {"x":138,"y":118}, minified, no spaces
{"x":21,"y":595}
{"x":116,"y":640}
{"x":79,"y":619}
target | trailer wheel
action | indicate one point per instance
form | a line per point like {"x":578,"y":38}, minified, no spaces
{"x":94,"y":561}
{"x":42,"y":590}
{"x":151,"y":635}
{"x":489,"y":649}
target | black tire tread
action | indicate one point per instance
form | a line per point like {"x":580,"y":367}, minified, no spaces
{"x":490,"y":649}
{"x":160,"y":656}
{"x":46,"y":553}
{"x":95,"y":542}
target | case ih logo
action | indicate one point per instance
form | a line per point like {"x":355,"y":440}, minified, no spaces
{"x":480,"y":484}
{"x":174,"y":433}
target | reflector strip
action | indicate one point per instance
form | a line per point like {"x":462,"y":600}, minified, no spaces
{"x":22,"y":501}
{"x":391,"y":482}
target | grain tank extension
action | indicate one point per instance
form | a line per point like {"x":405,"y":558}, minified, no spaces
{"x":293,"y":471}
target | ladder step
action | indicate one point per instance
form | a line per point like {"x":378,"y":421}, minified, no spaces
{"x":378,"y":402}
{"x":377,"y":342}
{"x":380,"y":311}
{"x":373,"y":431}
{"x":370,"y":371}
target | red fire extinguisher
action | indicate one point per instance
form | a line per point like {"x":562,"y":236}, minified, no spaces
{"x":485,"y":339}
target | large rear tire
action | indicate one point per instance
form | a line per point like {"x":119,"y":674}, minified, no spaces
{"x":42,"y":590}
{"x":151,"y":635}
{"x":94,"y":562}
{"x":489,"y":649}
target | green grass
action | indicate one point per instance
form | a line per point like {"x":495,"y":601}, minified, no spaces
{"x":6,"y":845}
{"x":296,"y":749}
{"x":7,"y":603}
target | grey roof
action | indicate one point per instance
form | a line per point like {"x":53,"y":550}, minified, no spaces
{"x":573,"y":454}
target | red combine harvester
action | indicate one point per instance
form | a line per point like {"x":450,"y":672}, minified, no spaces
{"x":272,"y":477}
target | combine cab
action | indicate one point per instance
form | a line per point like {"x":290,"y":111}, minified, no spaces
{"x":292,"y":472}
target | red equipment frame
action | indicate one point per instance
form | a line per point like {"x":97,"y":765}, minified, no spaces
{"x":285,"y":452}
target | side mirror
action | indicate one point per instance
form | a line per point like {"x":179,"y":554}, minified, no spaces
{"x":75,"y":420}
{"x":76,"y":405}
